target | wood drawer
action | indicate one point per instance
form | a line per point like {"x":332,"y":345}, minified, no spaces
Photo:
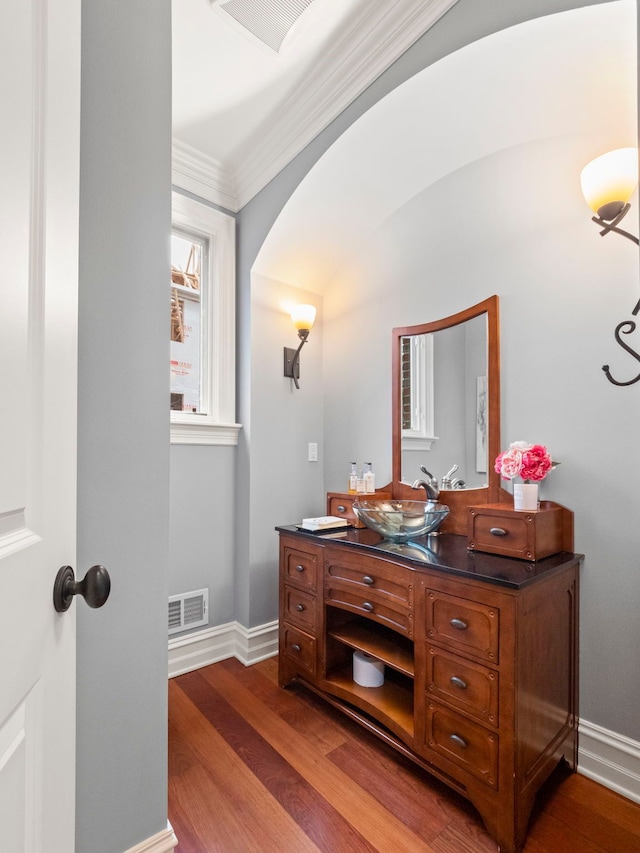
{"x":463,"y":742}
{"x":498,"y":529}
{"x":372,"y":579}
{"x":463,"y":684}
{"x":340,"y":504}
{"x":349,"y":597}
{"x":300,"y":608}
{"x":467,"y":626}
{"x":300,"y":647}
{"x":300,"y":567}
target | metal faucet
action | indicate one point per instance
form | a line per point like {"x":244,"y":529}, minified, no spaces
{"x":430,"y":485}
{"x":446,"y":480}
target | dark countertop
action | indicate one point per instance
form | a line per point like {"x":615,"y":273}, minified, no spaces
{"x":446,"y":552}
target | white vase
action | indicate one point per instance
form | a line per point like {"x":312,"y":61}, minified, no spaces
{"x":525,"y":496}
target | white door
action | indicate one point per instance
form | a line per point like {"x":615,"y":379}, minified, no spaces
{"x":39,"y":164}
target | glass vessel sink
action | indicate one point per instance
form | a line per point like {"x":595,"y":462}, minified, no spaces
{"x":400,"y":521}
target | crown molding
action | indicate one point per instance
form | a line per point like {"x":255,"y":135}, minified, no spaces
{"x":197,"y":173}
{"x":374,"y":39}
{"x":368,"y":46}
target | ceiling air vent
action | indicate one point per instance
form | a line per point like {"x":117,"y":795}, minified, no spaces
{"x":188,"y":610}
{"x":268,"y":21}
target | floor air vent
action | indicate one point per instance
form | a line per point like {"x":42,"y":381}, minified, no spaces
{"x":265,"y":20}
{"x":188,"y":610}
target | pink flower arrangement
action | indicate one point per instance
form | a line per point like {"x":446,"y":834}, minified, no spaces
{"x":532,"y":462}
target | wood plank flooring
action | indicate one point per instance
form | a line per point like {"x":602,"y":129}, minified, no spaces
{"x":257,"y":769}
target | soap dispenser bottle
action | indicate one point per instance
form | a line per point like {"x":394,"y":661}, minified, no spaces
{"x":353,"y":479}
{"x":369,"y":479}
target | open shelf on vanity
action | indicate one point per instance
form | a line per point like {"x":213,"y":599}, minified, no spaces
{"x":393,"y":702}
{"x":392,"y":649}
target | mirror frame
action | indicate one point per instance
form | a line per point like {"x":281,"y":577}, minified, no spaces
{"x":457,"y":500}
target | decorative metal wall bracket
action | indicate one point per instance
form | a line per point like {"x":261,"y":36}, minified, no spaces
{"x":625,"y":328}
{"x":292,"y":358}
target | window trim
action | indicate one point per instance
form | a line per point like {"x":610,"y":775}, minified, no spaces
{"x":218,"y":426}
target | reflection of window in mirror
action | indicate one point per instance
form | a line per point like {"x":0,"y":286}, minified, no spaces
{"x":202,"y":309}
{"x":416,"y":388}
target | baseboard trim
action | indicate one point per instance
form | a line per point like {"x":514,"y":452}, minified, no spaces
{"x":611,"y":759}
{"x":201,"y":648}
{"x":161,"y":842}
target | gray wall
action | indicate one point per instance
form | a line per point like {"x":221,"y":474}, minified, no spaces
{"x":202,"y":509}
{"x":123,"y":453}
{"x":285,"y":486}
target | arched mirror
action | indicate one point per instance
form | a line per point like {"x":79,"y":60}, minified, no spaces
{"x":446,"y":408}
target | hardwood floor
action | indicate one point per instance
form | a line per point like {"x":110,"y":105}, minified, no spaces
{"x":257,"y":769}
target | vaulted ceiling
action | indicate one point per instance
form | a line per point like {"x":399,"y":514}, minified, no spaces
{"x":249,"y":91}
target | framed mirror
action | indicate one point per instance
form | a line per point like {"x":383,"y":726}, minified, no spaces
{"x":446,"y":408}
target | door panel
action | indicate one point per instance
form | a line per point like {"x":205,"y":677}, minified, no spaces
{"x":39,"y":166}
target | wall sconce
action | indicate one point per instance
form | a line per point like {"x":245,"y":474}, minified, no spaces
{"x":303,"y":317}
{"x":608,"y":182}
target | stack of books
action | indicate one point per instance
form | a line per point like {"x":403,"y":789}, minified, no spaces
{"x":324,"y":522}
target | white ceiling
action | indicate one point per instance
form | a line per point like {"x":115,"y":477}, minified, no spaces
{"x":241,"y":111}
{"x":571,"y":81}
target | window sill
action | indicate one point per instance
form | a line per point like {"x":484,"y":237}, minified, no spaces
{"x":418,"y":442}
{"x":199,"y":433}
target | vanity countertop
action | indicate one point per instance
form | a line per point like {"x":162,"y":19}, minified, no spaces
{"x":446,"y":552}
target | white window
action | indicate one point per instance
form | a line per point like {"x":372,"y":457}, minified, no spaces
{"x":202,"y":324}
{"x":417,"y":392}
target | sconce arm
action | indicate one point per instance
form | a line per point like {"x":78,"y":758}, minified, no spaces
{"x":296,"y":358}
{"x":611,"y":226}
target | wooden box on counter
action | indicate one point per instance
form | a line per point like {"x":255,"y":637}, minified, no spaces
{"x":523,"y":534}
{"x":340,"y":504}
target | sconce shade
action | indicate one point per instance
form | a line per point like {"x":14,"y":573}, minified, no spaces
{"x":303,"y":317}
{"x":609,"y":181}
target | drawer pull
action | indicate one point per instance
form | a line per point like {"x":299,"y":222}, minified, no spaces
{"x":341,"y":508}
{"x":498,"y":531}
{"x":299,"y":568}
{"x":459,"y":741}
{"x":459,"y":624}
{"x":296,"y":647}
{"x":300,"y":608}
{"x":367,"y":606}
{"x":368,"y":580}
{"x":458,"y":682}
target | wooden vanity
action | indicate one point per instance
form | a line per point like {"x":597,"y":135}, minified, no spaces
{"x":480,"y":654}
